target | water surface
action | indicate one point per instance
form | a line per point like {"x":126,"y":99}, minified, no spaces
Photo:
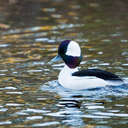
{"x":30,"y":32}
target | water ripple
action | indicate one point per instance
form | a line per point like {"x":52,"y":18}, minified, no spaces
{"x":34,"y":110}
{"x":5,"y":122}
{"x":52,"y":123}
{"x":4,"y":45}
{"x":3,"y":109}
{"x":111,"y":114}
{"x":14,"y":104}
{"x":33,"y":117}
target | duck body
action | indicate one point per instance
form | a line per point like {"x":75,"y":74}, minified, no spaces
{"x":86,"y":79}
{"x":70,"y":77}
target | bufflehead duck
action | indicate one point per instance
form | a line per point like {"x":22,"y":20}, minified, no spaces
{"x":70,"y":77}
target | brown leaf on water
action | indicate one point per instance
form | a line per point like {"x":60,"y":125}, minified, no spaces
{"x":46,"y":27}
{"x":72,"y":13}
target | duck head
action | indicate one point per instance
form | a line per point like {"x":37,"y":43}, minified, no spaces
{"x":70,"y":52}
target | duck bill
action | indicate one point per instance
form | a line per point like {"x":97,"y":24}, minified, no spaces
{"x":55,"y":59}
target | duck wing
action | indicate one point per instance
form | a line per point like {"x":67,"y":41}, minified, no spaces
{"x":97,"y":73}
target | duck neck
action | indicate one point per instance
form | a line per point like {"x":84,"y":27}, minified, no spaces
{"x":66,"y":74}
{"x":68,"y":70}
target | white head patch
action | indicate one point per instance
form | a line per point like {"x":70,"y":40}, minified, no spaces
{"x":73,"y":49}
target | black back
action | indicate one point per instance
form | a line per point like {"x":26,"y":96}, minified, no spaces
{"x":98,"y":73}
